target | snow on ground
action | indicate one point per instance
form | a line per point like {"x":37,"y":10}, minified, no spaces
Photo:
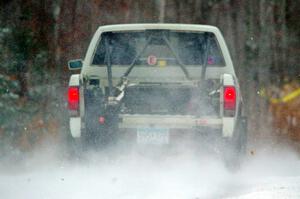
{"x":49,"y":173}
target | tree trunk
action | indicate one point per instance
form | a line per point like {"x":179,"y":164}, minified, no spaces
{"x":162,"y":8}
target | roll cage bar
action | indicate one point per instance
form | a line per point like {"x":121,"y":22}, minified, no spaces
{"x":152,"y":34}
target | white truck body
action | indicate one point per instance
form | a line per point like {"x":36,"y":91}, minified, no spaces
{"x":225,"y":75}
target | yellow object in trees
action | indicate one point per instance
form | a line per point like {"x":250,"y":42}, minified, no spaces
{"x":286,"y":98}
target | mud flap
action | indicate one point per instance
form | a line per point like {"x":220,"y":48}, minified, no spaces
{"x":75,"y":127}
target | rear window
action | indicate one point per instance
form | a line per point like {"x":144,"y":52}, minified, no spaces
{"x":189,"y":47}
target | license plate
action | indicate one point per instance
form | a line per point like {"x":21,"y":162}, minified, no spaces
{"x":153,"y":136}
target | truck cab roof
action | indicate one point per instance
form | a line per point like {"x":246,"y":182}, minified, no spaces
{"x":89,"y":68}
{"x":159,"y":26}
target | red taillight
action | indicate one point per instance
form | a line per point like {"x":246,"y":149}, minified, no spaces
{"x":229,"y":98}
{"x":73,"y":98}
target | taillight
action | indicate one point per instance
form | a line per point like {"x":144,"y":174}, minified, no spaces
{"x":73,"y":98}
{"x":229,"y":98}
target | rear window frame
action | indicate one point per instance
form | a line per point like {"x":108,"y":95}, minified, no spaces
{"x":140,"y":31}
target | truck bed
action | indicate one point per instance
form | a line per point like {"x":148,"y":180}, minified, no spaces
{"x":167,"y":99}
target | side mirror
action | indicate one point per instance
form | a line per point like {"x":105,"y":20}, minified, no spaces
{"x":75,"y":64}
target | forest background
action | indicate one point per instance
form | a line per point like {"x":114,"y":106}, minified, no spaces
{"x":38,"y":37}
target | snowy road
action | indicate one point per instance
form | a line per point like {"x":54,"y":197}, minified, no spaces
{"x":265,"y":175}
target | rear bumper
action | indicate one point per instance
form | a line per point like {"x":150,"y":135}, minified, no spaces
{"x":185,"y":122}
{"x":168,"y":121}
{"x":181,"y":123}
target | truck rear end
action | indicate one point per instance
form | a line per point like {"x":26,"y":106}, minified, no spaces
{"x":155,"y":81}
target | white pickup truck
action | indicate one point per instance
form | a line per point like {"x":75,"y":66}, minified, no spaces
{"x":157,"y":82}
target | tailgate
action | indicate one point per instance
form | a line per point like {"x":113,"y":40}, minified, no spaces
{"x":168,"y":121}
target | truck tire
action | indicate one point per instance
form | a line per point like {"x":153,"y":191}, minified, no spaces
{"x":234,"y":149}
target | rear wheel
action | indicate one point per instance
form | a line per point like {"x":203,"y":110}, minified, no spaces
{"x":234,"y":149}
